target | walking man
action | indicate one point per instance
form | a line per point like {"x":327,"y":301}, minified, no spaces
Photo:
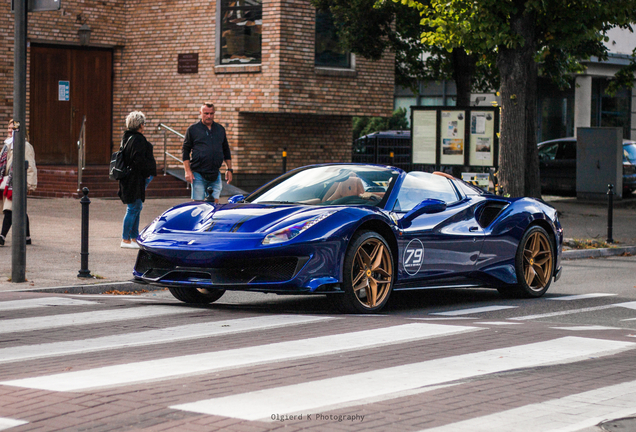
{"x":205,"y":148}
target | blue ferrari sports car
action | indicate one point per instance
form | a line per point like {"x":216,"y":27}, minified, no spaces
{"x":355,"y":232}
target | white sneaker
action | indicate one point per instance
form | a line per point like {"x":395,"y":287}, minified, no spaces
{"x":131,"y":245}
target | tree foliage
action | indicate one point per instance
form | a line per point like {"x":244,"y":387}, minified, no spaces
{"x":369,"y":29}
{"x":521,"y":36}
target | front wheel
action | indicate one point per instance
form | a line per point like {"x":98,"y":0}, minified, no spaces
{"x":534,"y":263}
{"x":196,"y":295}
{"x":368,"y":274}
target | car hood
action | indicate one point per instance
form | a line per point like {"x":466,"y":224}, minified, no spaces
{"x":234,"y":218}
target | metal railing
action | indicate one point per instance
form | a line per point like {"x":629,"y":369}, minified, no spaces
{"x":81,"y":153}
{"x":167,"y":154}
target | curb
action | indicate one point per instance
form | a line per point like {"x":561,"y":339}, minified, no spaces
{"x":598,"y":253}
{"x":94,"y":288}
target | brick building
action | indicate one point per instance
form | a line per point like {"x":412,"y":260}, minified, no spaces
{"x":273,"y":84}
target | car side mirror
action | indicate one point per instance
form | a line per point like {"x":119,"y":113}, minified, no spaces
{"x":236,"y":199}
{"x":428,"y":206}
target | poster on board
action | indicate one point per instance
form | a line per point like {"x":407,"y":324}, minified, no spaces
{"x":482,"y":138}
{"x":424,"y":137}
{"x":452,"y":139}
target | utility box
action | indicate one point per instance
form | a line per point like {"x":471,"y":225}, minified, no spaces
{"x":599,"y":162}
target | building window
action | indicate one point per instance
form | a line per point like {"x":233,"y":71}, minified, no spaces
{"x":610,"y":111}
{"x":241,"y":29}
{"x":555,"y":111}
{"x":328,"y":51}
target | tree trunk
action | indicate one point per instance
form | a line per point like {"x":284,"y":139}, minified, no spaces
{"x":532,"y":180}
{"x":515,"y":66}
{"x":463,"y":72}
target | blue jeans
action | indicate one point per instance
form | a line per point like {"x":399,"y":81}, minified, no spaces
{"x":200,"y":187}
{"x":131,"y":221}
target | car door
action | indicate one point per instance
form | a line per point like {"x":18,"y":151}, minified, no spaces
{"x":565,"y":166}
{"x":439,"y":245}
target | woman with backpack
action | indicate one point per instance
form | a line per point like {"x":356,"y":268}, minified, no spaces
{"x":139,"y":157}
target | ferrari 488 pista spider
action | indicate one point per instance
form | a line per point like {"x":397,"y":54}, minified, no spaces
{"x":355,"y":232}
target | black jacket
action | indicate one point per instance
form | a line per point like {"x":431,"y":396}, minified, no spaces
{"x":206,"y":149}
{"x":138,"y":155}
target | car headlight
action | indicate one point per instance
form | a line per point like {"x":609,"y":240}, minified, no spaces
{"x":288,"y":233}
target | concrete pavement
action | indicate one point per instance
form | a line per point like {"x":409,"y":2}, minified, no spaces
{"x":53,"y":260}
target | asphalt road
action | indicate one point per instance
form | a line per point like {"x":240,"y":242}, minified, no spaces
{"x":442,"y":361}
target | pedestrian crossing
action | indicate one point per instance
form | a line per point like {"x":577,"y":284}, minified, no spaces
{"x":428,"y":363}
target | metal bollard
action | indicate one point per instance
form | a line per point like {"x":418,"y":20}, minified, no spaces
{"x":610,"y":212}
{"x":85,"y":202}
{"x":284,"y":160}
{"x":208,"y":196}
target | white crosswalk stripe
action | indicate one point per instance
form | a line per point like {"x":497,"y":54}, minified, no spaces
{"x":85,"y":318}
{"x":42,"y":302}
{"x":258,"y":398}
{"x":159,"y":336}
{"x":215,"y":361}
{"x":567,"y":414}
{"x":473,"y":310}
{"x":355,"y":389}
{"x":7,"y":423}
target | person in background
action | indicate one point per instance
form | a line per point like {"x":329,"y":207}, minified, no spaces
{"x":6,"y":173}
{"x":139,"y":157}
{"x":205,"y":148}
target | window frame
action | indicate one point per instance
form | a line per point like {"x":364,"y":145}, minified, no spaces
{"x":219,"y":38}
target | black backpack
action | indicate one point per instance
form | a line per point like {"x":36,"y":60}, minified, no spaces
{"x":118,"y":169}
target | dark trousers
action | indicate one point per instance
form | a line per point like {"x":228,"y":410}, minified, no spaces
{"x":6,"y":223}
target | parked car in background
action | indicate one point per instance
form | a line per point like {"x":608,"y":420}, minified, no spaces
{"x":557,"y":166}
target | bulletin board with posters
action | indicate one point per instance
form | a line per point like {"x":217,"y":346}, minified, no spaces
{"x":451,"y":136}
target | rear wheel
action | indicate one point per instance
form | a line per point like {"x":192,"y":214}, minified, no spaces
{"x":534,"y":264}
{"x":368,"y":274}
{"x":196,"y":295}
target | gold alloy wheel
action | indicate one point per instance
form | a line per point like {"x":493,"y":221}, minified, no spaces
{"x":372,"y":273}
{"x":537,"y":261}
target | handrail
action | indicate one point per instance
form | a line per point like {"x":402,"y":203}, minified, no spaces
{"x":165,"y":145}
{"x":81,"y":153}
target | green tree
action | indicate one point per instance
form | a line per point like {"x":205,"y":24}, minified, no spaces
{"x":520,"y":35}
{"x":368,"y":30}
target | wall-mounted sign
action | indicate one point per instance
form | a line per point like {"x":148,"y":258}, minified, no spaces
{"x":445,"y":135}
{"x":482,"y":138}
{"x":188,"y":63}
{"x":63,"y":90}
{"x":41,"y":5}
{"x":424,"y":137}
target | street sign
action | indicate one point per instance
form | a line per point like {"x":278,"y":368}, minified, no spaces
{"x":42,"y":5}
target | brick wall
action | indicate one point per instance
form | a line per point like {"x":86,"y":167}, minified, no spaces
{"x":146,"y":37}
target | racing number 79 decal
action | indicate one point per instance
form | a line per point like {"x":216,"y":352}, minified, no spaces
{"x":413,"y":257}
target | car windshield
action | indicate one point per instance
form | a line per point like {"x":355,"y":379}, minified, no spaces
{"x":629,"y":152}
{"x":329,"y":185}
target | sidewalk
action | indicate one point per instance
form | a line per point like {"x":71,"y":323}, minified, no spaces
{"x":53,"y":260}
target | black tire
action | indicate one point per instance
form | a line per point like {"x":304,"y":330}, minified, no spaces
{"x":534,"y":264}
{"x":368,"y":274}
{"x":196,"y":295}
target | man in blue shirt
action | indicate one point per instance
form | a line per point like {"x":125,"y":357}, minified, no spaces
{"x":205,"y":148}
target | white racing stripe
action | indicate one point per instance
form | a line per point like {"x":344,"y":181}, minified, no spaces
{"x":358,"y":388}
{"x":566,"y":414}
{"x":85,"y":318}
{"x":473,"y":310}
{"x":243,"y":357}
{"x":152,"y":337}
{"x":42,"y":302}
{"x":7,"y":423}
